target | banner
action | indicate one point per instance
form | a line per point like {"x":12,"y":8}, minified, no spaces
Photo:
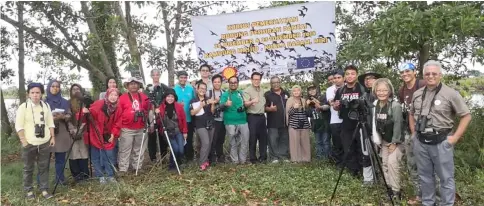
{"x":276,"y":41}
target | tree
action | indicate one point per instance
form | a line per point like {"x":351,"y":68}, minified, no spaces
{"x":21,"y":55}
{"x":6,"y":75}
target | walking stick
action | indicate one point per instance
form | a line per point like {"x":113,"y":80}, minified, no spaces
{"x":169,"y":144}
{"x":140,"y":150}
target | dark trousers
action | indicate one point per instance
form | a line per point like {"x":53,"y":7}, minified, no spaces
{"x":79,"y":169}
{"x":60,"y":159}
{"x":258,"y":132}
{"x":36,"y":154}
{"x":337,"y":150}
{"x":217,"y":151}
{"x":355,"y":160}
{"x":189,"y":151}
{"x":153,"y":147}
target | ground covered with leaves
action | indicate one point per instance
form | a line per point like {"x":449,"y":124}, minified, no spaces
{"x":281,"y":183}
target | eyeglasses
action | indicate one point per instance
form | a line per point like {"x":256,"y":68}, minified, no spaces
{"x":233,"y":82}
{"x":428,"y":74}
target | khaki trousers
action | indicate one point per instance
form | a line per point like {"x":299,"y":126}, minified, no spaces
{"x":129,"y":149}
{"x":299,"y":145}
{"x":392,"y":164}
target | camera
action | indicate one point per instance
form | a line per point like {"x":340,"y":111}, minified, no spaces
{"x":85,"y":98}
{"x":240,"y":109}
{"x":358,"y":108}
{"x":106,"y":138}
{"x":218,"y":111}
{"x":209,"y":125}
{"x":39,"y":130}
{"x":139,"y":114}
{"x":311,"y":98}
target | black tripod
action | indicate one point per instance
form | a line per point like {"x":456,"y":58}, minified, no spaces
{"x":366,"y":143}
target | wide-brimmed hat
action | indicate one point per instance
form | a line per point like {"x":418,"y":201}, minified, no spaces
{"x":361,"y":78}
{"x":133,"y":79}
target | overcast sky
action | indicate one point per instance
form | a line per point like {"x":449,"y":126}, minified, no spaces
{"x":32,"y":68}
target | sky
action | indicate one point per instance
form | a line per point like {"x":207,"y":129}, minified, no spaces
{"x":33,"y":68}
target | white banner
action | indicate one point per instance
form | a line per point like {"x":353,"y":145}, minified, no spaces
{"x":276,"y":41}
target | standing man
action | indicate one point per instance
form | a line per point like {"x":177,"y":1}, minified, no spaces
{"x":205,"y":74}
{"x":185,"y":94}
{"x":235,"y":120}
{"x":411,"y":84}
{"x":278,"y":132}
{"x":255,"y":102}
{"x":335,"y":120}
{"x":132,"y":113}
{"x":217,"y":151}
{"x":432,"y":115}
{"x":156,"y":91}
{"x":356,"y":159}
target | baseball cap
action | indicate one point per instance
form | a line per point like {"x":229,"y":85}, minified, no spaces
{"x":406,"y":66}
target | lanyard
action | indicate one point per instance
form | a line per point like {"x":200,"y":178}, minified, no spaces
{"x":437,"y":90}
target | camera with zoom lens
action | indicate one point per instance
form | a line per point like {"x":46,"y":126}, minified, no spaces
{"x":240,"y":109}
{"x":39,"y":130}
{"x":218,"y":111}
{"x":139,"y":114}
{"x":311,"y":98}
{"x":358,"y":108}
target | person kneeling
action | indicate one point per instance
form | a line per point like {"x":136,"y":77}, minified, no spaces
{"x":101,"y":136}
{"x":175,"y":123}
{"x":388,"y":127}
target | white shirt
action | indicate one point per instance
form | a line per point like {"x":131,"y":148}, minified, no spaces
{"x":330,"y":94}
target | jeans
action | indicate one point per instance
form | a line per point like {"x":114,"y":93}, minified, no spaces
{"x":102,"y":165}
{"x":323,"y":145}
{"x":60,"y":159}
{"x":177,"y":143}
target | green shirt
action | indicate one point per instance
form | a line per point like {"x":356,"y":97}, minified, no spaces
{"x":231,"y":115}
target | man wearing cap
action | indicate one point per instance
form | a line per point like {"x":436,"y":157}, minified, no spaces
{"x":185,"y":94}
{"x":432,"y":116}
{"x":35,"y":128}
{"x":411,"y":84}
{"x":367,"y":80}
{"x":335,"y":120}
{"x":132,"y":112}
{"x":319,"y":114}
{"x":156,"y":91}
{"x":254,"y":101}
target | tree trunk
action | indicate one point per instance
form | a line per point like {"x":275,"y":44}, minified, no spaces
{"x":97,"y":40}
{"x":130,"y":37}
{"x":423,"y":57}
{"x":171,"y":36}
{"x":21,"y":55}
{"x":6,"y":128}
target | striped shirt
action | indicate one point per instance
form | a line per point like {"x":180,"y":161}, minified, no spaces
{"x":296,"y":116}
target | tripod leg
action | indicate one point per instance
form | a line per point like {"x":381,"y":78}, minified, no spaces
{"x":64,"y":167}
{"x":140,"y":151}
{"x":172,"y":152}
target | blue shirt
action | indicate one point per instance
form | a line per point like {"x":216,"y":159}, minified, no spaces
{"x":185,"y":95}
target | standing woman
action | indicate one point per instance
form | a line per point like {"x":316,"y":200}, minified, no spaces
{"x":110,"y":83}
{"x":61,"y":112}
{"x":388,"y":126}
{"x":35,"y":128}
{"x":299,"y":143}
{"x":78,"y":159}
{"x":102,"y":147}
{"x":202,"y":109}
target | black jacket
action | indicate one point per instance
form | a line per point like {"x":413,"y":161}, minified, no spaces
{"x":276,"y":119}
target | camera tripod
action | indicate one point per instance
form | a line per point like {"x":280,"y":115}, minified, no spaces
{"x":368,"y":149}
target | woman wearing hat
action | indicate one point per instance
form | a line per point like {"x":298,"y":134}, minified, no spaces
{"x":132,"y":113}
{"x":299,"y":143}
{"x":174,"y":120}
{"x":35,"y":127}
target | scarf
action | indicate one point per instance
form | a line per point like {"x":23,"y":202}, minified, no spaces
{"x":111,"y":106}
{"x":56,"y":101}
{"x":170,"y":109}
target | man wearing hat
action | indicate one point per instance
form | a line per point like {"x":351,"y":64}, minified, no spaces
{"x":185,"y":94}
{"x":367,"y":80}
{"x":319,"y":113}
{"x":132,"y":113}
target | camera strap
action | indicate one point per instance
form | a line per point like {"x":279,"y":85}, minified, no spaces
{"x":32,"y":109}
{"x":139,"y":97}
{"x":437,"y":90}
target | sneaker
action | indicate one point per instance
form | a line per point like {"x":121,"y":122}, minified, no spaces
{"x":102,"y":180}
{"x":275,"y":161}
{"x":204,"y":166}
{"x":46,"y":195}
{"x":30,"y":195}
{"x":112,"y":180}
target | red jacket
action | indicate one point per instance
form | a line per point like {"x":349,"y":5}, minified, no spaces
{"x":100,"y":122}
{"x":182,"y":119}
{"x":126,"y":113}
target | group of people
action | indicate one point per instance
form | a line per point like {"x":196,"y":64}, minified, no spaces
{"x":262,"y":126}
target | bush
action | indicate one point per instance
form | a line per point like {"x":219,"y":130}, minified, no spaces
{"x":469,"y":152}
